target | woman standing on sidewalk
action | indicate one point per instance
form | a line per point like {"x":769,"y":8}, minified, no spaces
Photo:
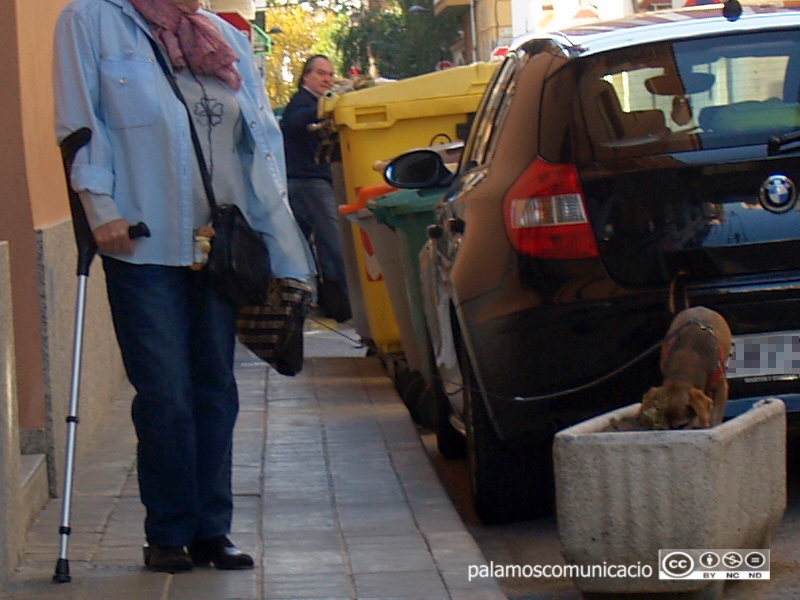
{"x":176,"y":335}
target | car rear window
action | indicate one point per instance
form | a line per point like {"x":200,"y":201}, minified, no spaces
{"x":669,"y":97}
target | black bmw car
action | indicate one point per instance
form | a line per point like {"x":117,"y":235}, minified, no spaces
{"x":615,"y":173}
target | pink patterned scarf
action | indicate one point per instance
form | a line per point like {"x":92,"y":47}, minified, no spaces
{"x":190,"y":39}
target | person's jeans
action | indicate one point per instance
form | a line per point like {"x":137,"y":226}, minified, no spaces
{"x":177,"y":340}
{"x":314,"y":205}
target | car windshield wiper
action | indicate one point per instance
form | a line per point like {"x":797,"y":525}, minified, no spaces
{"x":777,"y":144}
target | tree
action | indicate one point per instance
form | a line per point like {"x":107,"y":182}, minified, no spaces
{"x":339,"y":7}
{"x":303,"y":33}
{"x":400,"y":44}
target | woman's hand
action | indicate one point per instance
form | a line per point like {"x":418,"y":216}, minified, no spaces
{"x":114,"y":237}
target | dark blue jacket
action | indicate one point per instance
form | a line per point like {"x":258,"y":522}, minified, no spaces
{"x":300,"y":144}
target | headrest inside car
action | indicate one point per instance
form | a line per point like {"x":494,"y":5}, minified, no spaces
{"x":680,"y":85}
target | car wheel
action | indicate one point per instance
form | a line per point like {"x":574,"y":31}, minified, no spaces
{"x":451,"y":443}
{"x":409,"y":384}
{"x":510,"y":480}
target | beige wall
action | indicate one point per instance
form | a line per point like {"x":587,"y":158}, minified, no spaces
{"x":32,"y":189}
{"x":36,"y":21}
{"x":493,"y":24}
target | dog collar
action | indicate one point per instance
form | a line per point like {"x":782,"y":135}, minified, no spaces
{"x":722,"y":369}
{"x":722,"y":362}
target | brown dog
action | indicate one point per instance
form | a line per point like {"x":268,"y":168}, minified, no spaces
{"x":693,"y":362}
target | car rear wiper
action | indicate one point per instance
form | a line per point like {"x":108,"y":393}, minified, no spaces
{"x":777,"y":144}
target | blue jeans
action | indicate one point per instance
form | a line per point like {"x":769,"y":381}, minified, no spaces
{"x":177,"y":340}
{"x":314,"y":205}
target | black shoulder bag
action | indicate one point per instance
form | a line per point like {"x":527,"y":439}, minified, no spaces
{"x":238,"y":263}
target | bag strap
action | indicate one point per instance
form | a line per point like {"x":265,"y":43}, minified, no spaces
{"x":198,"y":150}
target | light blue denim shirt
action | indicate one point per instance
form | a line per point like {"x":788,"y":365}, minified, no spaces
{"x":139,"y":162}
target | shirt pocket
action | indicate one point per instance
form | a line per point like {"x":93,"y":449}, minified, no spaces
{"x":128,"y":92}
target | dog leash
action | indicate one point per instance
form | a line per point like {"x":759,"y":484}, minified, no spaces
{"x":373,"y":348}
{"x":613,"y":373}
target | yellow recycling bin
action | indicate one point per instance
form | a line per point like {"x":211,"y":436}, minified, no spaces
{"x":384,"y":121}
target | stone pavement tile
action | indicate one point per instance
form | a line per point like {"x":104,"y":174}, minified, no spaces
{"x":417,"y":585}
{"x":126,"y":524}
{"x":131,"y":487}
{"x":82,"y":545}
{"x":36,"y":570}
{"x":92,"y":583}
{"x":370,"y":519}
{"x":291,"y":561}
{"x":246,"y":514}
{"x":300,"y":541}
{"x":281,"y":388}
{"x":435,"y":515}
{"x":208,"y":583}
{"x":120,"y":555}
{"x":93,"y":480}
{"x":308,"y":586}
{"x":455,"y":551}
{"x":282,"y":480}
{"x":121,"y":582}
{"x":299,"y":517}
{"x":385,"y":558}
{"x":88,"y":514}
{"x":460,"y":588}
{"x":247,"y":480}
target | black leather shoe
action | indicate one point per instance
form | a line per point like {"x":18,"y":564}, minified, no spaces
{"x":167,"y":559}
{"x":220,"y":552}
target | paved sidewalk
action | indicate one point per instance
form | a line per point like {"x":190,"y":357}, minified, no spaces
{"x":334,"y":495}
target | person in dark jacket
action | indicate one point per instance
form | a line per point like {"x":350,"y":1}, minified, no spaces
{"x":310,"y":182}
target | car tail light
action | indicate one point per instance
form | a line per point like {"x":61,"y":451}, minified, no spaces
{"x":545,"y":213}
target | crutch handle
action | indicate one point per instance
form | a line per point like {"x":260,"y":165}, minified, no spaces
{"x":84,"y":238}
{"x":138,"y":230}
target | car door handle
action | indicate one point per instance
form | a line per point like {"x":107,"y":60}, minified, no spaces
{"x":455,"y":225}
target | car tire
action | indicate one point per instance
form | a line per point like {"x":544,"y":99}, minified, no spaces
{"x":451,"y":443}
{"x":409,"y":383}
{"x":510,"y":480}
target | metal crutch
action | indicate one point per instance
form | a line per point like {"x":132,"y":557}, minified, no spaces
{"x":86,"y":252}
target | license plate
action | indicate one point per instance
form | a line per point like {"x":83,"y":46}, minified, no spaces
{"x":766,"y":357}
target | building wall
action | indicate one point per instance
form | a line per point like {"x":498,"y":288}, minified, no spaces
{"x":10,"y":483}
{"x":38,"y":282}
{"x":41,"y":264}
{"x":493,"y":25}
{"x":17,"y":226}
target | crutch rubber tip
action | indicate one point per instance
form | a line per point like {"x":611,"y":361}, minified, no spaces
{"x":62,"y":571}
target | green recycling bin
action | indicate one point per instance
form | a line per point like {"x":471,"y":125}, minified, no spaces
{"x":408,"y":213}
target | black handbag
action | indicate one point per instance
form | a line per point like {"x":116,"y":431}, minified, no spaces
{"x":238,"y":264}
{"x":274,"y":331}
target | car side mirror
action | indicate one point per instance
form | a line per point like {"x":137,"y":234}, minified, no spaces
{"x":418,"y":169}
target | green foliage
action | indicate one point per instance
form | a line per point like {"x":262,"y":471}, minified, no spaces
{"x":399,"y":44}
{"x":304,"y":33}
{"x":339,"y":7}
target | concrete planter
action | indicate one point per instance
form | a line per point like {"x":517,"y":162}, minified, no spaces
{"x":622,"y":496}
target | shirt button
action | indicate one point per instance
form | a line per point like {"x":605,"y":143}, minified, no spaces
{"x":252,"y":124}
{"x":123,"y":81}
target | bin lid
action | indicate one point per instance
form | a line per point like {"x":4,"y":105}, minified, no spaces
{"x":362,"y":195}
{"x":405,"y":202}
{"x":431,"y":94}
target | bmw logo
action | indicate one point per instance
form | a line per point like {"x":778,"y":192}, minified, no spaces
{"x":778,"y":194}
